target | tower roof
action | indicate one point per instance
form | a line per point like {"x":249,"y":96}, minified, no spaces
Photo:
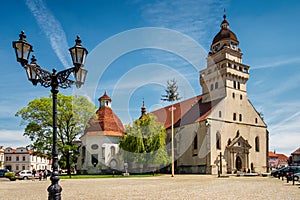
{"x":104,"y":97}
{"x":225,"y":33}
{"x":143,"y":110}
{"x":106,"y":121}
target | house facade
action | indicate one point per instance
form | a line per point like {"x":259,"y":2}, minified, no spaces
{"x":100,"y":142}
{"x":296,"y":157}
{"x":219,"y":131}
{"x":22,"y":159}
{"x":277,"y":160}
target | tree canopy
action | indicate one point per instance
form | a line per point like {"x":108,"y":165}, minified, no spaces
{"x":73,"y":114}
{"x":144,"y":142}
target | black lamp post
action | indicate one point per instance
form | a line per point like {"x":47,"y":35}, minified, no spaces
{"x":54,"y":80}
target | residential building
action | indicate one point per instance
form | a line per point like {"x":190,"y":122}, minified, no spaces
{"x":277,"y":160}
{"x":22,"y":159}
{"x":296,"y":157}
{"x":219,"y":131}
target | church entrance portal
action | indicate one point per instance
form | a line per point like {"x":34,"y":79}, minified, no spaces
{"x":238,"y":163}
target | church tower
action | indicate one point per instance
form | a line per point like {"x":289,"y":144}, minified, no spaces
{"x":225,"y":73}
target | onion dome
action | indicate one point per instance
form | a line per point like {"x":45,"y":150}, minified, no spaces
{"x":225,"y":33}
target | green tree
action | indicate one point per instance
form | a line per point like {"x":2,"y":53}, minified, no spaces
{"x":73,"y":114}
{"x":144,"y":142}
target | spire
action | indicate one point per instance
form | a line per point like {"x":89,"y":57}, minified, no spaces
{"x":143,"y":109}
{"x":224,"y":24}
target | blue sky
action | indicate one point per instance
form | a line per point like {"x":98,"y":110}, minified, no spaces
{"x":132,"y":62}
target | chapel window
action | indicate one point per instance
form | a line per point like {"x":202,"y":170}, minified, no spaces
{"x":218,"y":140}
{"x":257,"y":144}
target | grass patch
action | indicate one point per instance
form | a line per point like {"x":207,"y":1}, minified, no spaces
{"x":77,"y":176}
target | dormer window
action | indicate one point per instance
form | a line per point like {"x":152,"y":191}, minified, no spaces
{"x":216,"y":48}
{"x":233,"y":46}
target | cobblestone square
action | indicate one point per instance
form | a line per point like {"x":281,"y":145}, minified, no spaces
{"x":162,"y":187}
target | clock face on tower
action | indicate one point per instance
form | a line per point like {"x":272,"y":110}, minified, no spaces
{"x":113,"y":164}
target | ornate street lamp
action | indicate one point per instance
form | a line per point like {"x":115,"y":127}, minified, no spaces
{"x":54,"y":80}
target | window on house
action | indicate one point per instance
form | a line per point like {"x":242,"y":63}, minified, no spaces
{"x":216,"y":85}
{"x":257,"y":144}
{"x":234,"y":84}
{"x":6,"y":158}
{"x":218,"y":140}
{"x":211,"y":86}
{"x":24,"y":158}
{"x":239,"y":85}
{"x":234,"y":116}
{"x":23,"y":167}
{"x":9,"y":158}
{"x":255,"y":120}
{"x":240,"y":117}
{"x":17,"y":167}
{"x":220,"y":114}
{"x":17,"y":158}
{"x":233,"y":95}
{"x":241,"y":97}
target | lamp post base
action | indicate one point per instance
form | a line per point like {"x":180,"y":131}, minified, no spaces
{"x":54,"y":192}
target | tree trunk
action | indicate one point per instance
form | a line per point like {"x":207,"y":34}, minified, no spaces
{"x":68,"y":164}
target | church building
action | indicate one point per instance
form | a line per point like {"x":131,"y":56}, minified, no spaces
{"x":219,"y":131}
{"x":100,"y":142}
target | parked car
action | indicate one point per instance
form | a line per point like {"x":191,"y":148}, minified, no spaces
{"x":24,"y":174}
{"x":289,"y":171}
{"x":3,"y":171}
{"x":297,"y":176}
{"x":276,"y":172}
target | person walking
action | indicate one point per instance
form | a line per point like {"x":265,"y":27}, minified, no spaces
{"x":33,"y":174}
{"x":45,"y":174}
{"x":40,"y":175}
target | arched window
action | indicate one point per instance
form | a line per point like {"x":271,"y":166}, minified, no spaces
{"x":234,"y":84}
{"x":257,"y":144}
{"x":112,"y":151}
{"x":218,"y":140}
{"x":211,"y":86}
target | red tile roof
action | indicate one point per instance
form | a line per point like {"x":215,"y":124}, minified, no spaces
{"x":186,"y":112}
{"x":105,"y":96}
{"x":272,"y":154}
{"x":282,"y":157}
{"x":106,"y":122}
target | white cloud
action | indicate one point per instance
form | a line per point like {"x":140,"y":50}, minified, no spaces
{"x":13,"y":138}
{"x":275,"y":62}
{"x":52,"y":28}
